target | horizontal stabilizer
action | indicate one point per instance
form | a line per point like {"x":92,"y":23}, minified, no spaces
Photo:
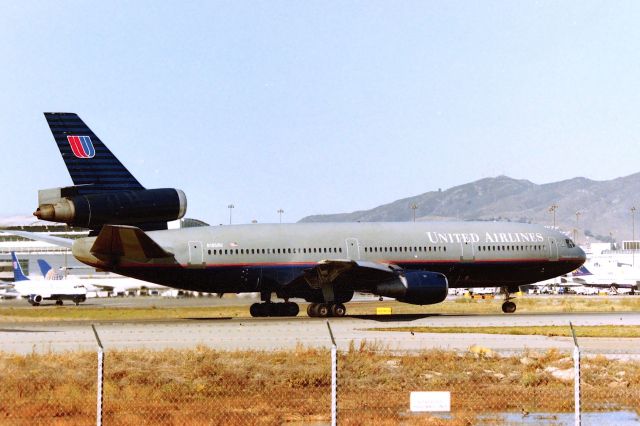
{"x":122,"y":241}
{"x":58,"y":241}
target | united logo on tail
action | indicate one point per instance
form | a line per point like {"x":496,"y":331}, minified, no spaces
{"x":81,"y":146}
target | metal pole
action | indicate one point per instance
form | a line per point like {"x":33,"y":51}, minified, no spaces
{"x":100,"y":376}
{"x":633,"y":236}
{"x":334,"y":378}
{"x":576,"y":379}
{"x":230,"y":207}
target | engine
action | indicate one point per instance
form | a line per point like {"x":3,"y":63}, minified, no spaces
{"x":416,"y":287}
{"x":35,"y":299}
{"x":92,"y":210}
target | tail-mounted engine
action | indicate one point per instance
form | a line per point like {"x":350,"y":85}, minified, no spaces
{"x":79,"y":206}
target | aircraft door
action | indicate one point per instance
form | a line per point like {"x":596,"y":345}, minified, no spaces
{"x":467,"y":252}
{"x":353,"y":249}
{"x":553,"y":249}
{"x":196,"y":255}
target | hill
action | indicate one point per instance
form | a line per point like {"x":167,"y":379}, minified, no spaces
{"x":603,"y":206}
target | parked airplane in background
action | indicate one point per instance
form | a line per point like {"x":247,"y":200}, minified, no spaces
{"x":7,"y":291}
{"x":114,"y":284}
{"x":323,"y":263}
{"x":37,"y":290}
{"x":610,"y":279}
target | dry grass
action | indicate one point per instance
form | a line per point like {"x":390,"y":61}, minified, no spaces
{"x":459,"y":305}
{"x":205,"y":386}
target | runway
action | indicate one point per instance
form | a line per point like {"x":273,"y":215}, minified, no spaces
{"x":288,"y":333}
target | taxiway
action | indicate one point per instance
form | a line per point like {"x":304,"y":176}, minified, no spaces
{"x":289,"y":333}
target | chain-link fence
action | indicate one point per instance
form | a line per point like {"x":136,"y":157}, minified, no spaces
{"x":203,"y":385}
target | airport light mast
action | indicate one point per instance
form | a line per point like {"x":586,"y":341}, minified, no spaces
{"x":552,"y":210}
{"x":280,"y":211}
{"x":633,"y":235}
{"x":230,"y":207}
{"x":414,"y":207}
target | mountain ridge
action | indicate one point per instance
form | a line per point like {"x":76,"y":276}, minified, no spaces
{"x":603,"y":207}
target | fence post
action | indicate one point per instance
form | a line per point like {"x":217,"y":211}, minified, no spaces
{"x":334,"y":378}
{"x":576,"y":379}
{"x":100,"y":376}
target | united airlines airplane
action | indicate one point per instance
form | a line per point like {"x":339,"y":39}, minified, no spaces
{"x":322,"y":263}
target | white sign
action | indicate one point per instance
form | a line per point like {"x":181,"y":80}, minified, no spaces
{"x":430,"y":402}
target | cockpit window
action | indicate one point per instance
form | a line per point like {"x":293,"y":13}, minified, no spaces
{"x":570,"y":243}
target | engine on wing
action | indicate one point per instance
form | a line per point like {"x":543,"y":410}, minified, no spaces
{"x":416,"y":287}
{"x":117,"y":207}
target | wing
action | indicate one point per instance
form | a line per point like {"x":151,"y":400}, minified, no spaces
{"x":121,"y":242}
{"x":360,"y":274}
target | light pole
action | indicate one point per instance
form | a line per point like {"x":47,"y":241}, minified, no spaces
{"x":414,"y":207}
{"x":553,"y":209}
{"x":578,"y":214}
{"x":633,"y":235}
{"x":230,"y":207}
{"x":280,"y":211}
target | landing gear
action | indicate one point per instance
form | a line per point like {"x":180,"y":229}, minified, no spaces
{"x":268,"y":309}
{"x":508,"y":307}
{"x":59,"y":303}
{"x":323,"y":310}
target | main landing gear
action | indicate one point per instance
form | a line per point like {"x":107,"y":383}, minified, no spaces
{"x":268,"y":309}
{"x":326,"y":310}
{"x":508,"y":307}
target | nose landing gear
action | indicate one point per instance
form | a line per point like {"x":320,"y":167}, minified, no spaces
{"x":508,"y":307}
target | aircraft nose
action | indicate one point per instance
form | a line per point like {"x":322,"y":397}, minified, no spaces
{"x":581,"y":256}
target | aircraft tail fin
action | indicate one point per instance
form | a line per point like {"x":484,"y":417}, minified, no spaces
{"x":581,"y":272}
{"x":89,"y":162}
{"x":44,"y":267}
{"x":18,"y":274}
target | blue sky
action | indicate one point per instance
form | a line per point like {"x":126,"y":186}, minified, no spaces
{"x":320,"y":107}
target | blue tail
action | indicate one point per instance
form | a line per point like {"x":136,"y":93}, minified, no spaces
{"x":581,"y":272}
{"x":18,"y":275}
{"x":44,"y":267}
{"x":88,"y":160}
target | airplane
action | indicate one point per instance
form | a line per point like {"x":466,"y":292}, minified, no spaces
{"x":37,"y":290}
{"x":322,"y":263}
{"x":115,"y":284}
{"x":610,"y":279}
{"x":7,"y":291}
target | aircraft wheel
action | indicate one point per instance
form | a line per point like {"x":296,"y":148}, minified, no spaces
{"x":508,"y":307}
{"x":338,"y":310}
{"x":256,"y":310}
{"x":291,"y":309}
{"x":312,"y":310}
{"x":322,"y":310}
{"x":60,"y":303}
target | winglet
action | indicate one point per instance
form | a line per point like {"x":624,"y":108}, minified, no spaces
{"x":130,"y":242}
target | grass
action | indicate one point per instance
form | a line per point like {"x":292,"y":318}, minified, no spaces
{"x":549,"y":331}
{"x":451,"y":306}
{"x":205,"y":386}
